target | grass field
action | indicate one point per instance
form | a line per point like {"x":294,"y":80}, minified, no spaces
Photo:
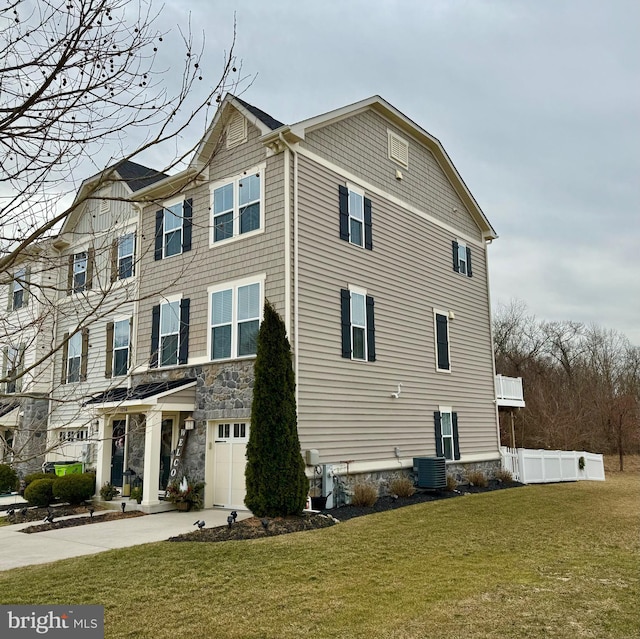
{"x":558,"y":561}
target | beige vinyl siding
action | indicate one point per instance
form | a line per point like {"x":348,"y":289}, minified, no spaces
{"x":103,"y":303}
{"x":191,"y":273}
{"x":345,"y":407}
{"x":359,"y":144}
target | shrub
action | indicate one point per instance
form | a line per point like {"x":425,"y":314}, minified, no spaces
{"x":477,"y":478}
{"x":39,"y":492}
{"x":75,"y":488}
{"x":504,"y":476}
{"x":452,"y":483}
{"x":33,"y":476}
{"x":136,"y":493}
{"x":8,"y":479}
{"x":401,"y":486}
{"x":364,"y":495}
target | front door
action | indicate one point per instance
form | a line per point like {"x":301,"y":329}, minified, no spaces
{"x":166,"y":447}
{"x":117,"y":451}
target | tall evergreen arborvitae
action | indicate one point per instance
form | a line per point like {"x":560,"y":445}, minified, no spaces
{"x":275,"y":478}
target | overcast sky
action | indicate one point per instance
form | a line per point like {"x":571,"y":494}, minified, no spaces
{"x":537,"y":102}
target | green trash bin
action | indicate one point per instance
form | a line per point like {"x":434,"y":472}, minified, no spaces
{"x":68,"y":469}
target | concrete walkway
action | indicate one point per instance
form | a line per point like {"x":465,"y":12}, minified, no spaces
{"x":18,"y":549}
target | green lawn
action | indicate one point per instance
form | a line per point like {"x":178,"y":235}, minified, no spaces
{"x":541,"y":561}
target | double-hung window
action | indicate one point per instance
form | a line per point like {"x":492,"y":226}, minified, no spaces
{"x":170,"y":333}
{"x":235,"y":320}
{"x":18,"y":297}
{"x":355,"y":216}
{"x":74,"y":357}
{"x":80,"y":267}
{"x":173,"y":229}
{"x":461,"y":258}
{"x":446,"y":433}
{"x":121,"y":343}
{"x":442,"y":341}
{"x":12,"y":368}
{"x":358,"y":325}
{"x":118,"y":348}
{"x":125,"y":258}
{"x":237,"y":207}
{"x":80,"y":272}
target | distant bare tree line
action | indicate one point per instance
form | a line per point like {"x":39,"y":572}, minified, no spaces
{"x":581,"y":383}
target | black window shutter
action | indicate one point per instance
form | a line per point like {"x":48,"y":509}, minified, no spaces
{"x":108,"y":363}
{"x":344,"y":213}
{"x":456,"y":444}
{"x":91,"y":258}
{"x":187,"y":224}
{"x":469,"y":271}
{"x":25,"y":286}
{"x":155,"y":336}
{"x":442,"y":342}
{"x":159,"y":224}
{"x":371,"y":331}
{"x":183,"y":350}
{"x":114,"y":260}
{"x":368,"y":225}
{"x":65,"y":355}
{"x":345,"y":318}
{"x":70,"y":275}
{"x":456,"y":262}
{"x":437,"y":422}
{"x":84,"y":360}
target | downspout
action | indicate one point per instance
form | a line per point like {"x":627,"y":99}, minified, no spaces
{"x":493,"y":352}
{"x":295,"y":256}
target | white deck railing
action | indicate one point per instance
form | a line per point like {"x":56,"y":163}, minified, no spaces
{"x":509,"y":391}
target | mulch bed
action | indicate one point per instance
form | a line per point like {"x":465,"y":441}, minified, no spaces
{"x":253,"y":528}
{"x":23,"y":512}
{"x":82,"y":521}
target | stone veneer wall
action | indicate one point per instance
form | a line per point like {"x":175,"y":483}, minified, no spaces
{"x":222,"y":392}
{"x":135,"y":443}
{"x":30,"y":438}
{"x":381,"y":479}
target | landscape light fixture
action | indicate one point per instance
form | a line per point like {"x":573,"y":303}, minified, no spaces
{"x":123,"y":505}
{"x":234,"y":514}
{"x":230,"y":521}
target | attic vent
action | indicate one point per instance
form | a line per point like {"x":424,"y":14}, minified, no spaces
{"x":236,"y":130}
{"x":104,"y":203}
{"x":430,"y":472}
{"x":398,"y":150}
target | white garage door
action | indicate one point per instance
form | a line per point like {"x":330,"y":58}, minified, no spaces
{"x":229,"y":464}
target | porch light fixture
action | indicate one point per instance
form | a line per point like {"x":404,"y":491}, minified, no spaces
{"x":189,"y":423}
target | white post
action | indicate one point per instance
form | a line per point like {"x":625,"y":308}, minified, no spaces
{"x":152,"y":440}
{"x":103,"y":453}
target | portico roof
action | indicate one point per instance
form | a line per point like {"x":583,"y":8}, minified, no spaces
{"x":142,"y":394}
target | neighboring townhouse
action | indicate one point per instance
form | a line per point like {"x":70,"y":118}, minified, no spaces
{"x":99,"y":253}
{"x":26,"y":329}
{"x":357,"y":227}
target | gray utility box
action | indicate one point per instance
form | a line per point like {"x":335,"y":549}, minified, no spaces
{"x":430,"y":472}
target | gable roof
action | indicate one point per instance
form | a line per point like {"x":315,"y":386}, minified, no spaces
{"x":265,"y":118}
{"x":297,"y":132}
{"x":136,"y":175}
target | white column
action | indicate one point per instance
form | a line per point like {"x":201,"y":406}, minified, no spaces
{"x":152,"y":440}
{"x":103,"y":453}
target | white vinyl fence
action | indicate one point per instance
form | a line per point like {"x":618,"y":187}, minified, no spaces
{"x":545,"y":466}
